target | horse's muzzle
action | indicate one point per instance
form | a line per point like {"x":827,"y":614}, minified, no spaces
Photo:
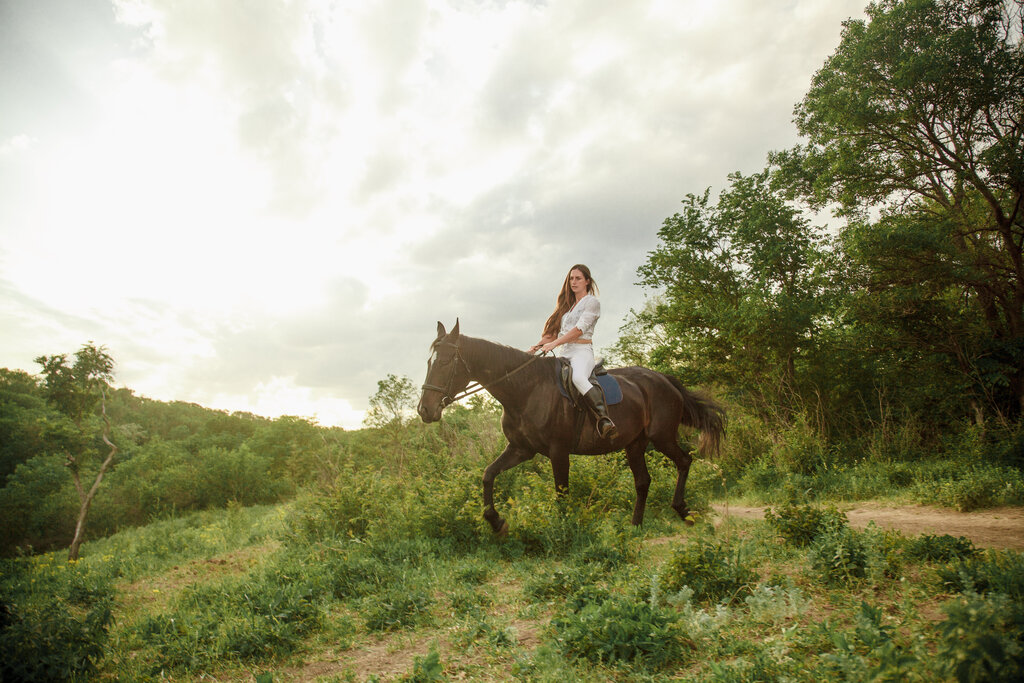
{"x":429,"y":414}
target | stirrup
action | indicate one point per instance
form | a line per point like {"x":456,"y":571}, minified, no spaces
{"x":606,"y":429}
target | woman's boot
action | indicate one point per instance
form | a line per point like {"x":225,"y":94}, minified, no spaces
{"x":605,"y":426}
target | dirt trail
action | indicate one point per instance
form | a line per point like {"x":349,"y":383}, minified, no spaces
{"x":995,"y":528}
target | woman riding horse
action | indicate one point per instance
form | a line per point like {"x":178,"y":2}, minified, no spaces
{"x":570,"y":329}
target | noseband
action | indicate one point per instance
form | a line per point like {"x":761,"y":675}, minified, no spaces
{"x":447,"y":398}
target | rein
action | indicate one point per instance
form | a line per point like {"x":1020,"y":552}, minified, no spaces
{"x":446,"y":392}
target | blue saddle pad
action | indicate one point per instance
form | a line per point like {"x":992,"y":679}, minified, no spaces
{"x":610,"y":386}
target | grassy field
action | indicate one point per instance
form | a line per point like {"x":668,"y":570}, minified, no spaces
{"x":368,"y":580}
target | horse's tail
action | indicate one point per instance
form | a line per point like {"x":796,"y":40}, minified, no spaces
{"x":703,"y":413}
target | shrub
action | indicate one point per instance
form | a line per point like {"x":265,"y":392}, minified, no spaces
{"x":799,"y":448}
{"x":775,"y":604}
{"x":341,"y":511}
{"x":543,"y":524}
{"x":445,"y":507}
{"x":713,"y":570}
{"x":54,"y":621}
{"x":800,"y":525}
{"x":940,"y":548}
{"x":974,"y":487}
{"x":869,"y":640}
{"x":991,"y":572}
{"x":618,"y":630}
{"x":840,"y":555}
{"x":485,"y":631}
{"x":983,"y":638}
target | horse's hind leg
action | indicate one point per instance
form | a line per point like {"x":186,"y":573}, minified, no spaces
{"x":508,"y":459}
{"x":641,"y":477}
{"x":682,"y":459}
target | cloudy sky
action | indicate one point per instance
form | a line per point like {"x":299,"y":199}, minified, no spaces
{"x":267,"y":205}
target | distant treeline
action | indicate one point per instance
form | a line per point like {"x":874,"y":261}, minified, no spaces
{"x":173,"y":457}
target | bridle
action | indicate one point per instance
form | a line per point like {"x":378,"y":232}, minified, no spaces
{"x":447,"y":398}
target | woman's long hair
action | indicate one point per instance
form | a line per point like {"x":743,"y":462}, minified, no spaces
{"x":566,"y":299}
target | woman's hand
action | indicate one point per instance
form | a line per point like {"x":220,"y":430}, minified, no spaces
{"x":549,"y":347}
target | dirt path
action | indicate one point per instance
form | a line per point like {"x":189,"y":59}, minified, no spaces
{"x":995,"y":528}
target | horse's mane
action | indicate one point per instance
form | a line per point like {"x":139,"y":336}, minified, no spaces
{"x":490,"y":352}
{"x":497,"y":352}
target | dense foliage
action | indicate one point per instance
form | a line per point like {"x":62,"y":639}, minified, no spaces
{"x":894,"y":328}
{"x":172,"y":458}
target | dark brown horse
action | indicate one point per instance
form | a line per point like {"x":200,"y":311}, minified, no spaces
{"x":538,"y":419}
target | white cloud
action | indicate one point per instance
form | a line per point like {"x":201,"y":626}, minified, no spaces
{"x":270,"y":204}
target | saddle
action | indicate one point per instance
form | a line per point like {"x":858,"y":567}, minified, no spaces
{"x":599,"y":378}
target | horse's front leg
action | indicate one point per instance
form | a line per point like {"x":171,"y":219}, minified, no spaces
{"x":509,"y":458}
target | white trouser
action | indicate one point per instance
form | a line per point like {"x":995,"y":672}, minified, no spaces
{"x":581,"y":358}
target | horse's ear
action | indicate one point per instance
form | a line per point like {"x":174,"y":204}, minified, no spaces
{"x":455,"y":330}
{"x":440,"y":329}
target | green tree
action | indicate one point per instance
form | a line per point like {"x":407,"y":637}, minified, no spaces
{"x":389,"y":413}
{"x":744,"y":286}
{"x":917,"y":118}
{"x":23,"y":412}
{"x":393,"y":403}
{"x":76,"y":390}
{"x":293,"y":445}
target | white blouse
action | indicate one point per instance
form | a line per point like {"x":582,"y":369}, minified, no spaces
{"x":583,"y":316}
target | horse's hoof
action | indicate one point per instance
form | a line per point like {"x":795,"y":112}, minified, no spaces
{"x":503,"y":531}
{"x":690,"y":520}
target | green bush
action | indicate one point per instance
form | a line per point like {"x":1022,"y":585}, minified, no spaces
{"x":869,"y":652}
{"x":939,"y":548}
{"x":619,"y":630}
{"x":840,"y":555}
{"x":344,"y":510}
{"x":54,"y":621}
{"x":447,"y":507}
{"x":543,"y":524}
{"x":983,"y":638}
{"x":989,"y":572}
{"x":974,"y":487}
{"x":799,"y":448}
{"x":800,"y":525}
{"x":714,"y":570}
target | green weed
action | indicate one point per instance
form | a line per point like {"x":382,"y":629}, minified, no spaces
{"x":715,"y":571}
{"x":800,"y":525}
{"x":622,"y":631}
{"x":839,"y":556}
{"x":983,"y":638}
{"x":983,"y":573}
{"x":943,"y":548}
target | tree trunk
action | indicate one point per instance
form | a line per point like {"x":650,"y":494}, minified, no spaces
{"x":86,"y":497}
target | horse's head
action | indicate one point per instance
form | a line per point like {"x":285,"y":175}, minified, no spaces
{"x":447,"y":374}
